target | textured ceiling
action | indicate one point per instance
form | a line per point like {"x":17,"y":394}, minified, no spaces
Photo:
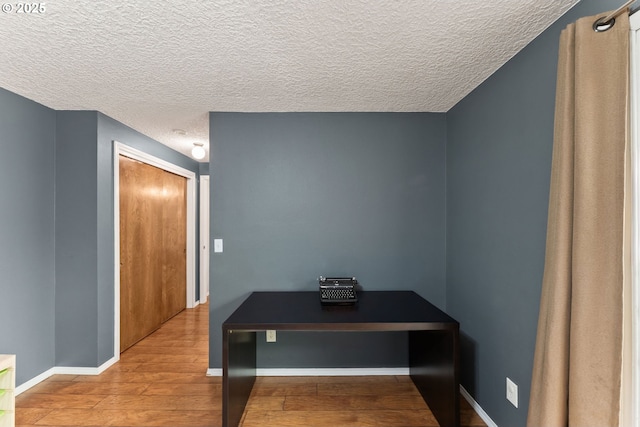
{"x":163,"y":65}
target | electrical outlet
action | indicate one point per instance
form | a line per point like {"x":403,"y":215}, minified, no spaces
{"x":271,"y":336}
{"x":512,"y":392}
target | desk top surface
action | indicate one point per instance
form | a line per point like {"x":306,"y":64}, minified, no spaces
{"x":375,"y":310}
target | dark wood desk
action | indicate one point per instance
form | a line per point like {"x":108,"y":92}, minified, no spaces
{"x":433,"y":341}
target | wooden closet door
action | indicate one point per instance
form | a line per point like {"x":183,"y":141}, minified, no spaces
{"x":174,"y":219}
{"x":152,"y":248}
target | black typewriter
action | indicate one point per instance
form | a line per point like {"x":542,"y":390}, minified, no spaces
{"x":338,"y":290}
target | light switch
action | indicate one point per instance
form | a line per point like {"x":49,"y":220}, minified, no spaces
{"x":217,"y":245}
{"x":512,"y":392}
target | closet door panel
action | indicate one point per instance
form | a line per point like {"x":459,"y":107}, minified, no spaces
{"x":174,"y":218}
{"x":152,"y":248}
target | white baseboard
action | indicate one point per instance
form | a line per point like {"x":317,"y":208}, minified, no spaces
{"x":488,"y":421}
{"x":328,"y":372}
{"x":64,"y":370}
{"x":70,"y":370}
{"x":33,"y":381}
{"x":318,"y":372}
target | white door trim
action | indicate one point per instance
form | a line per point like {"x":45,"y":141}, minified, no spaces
{"x":204,"y":237}
{"x":118,"y":149}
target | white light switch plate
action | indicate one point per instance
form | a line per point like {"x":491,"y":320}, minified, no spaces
{"x":217,"y":245}
{"x":512,"y":392}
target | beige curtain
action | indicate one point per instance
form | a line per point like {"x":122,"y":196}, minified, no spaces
{"x":577,"y":364}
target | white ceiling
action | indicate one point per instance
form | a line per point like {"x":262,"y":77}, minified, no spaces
{"x":160,"y":65}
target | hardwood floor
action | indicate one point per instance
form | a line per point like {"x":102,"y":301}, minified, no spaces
{"x":161,"y":381}
{"x":380,"y":401}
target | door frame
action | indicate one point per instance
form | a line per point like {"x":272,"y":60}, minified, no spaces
{"x":122,"y":149}
{"x":204,"y":237}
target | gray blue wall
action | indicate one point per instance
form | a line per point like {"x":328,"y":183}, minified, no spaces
{"x":76,"y":250}
{"x":498,"y":166}
{"x":299,"y":195}
{"x":27,"y":237}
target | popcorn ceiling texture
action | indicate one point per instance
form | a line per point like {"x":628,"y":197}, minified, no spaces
{"x":157,"y":66}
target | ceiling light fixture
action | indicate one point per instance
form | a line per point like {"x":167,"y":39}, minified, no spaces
{"x":198,"y":151}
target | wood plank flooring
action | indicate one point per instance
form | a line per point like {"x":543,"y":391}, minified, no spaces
{"x":161,"y":381}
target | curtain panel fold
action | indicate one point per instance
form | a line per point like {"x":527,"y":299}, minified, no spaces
{"x":577,"y":363}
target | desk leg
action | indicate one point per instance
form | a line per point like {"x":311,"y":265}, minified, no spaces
{"x":433,"y":366}
{"x":238,"y":373}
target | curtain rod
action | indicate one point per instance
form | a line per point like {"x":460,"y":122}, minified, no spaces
{"x":606,"y":22}
{"x":617,"y":12}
